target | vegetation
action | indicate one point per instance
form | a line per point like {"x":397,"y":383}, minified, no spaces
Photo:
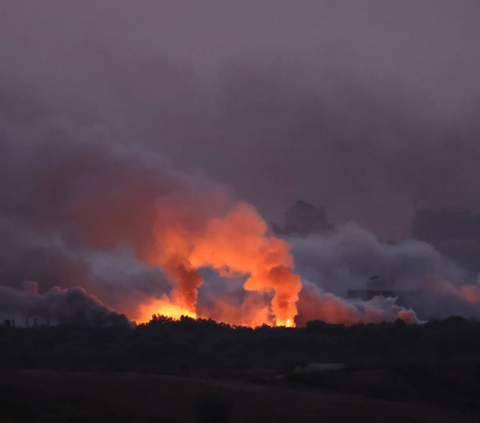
{"x":438,"y":361}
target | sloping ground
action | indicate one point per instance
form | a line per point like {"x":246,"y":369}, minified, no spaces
{"x":456,"y":385}
{"x":127,"y":397}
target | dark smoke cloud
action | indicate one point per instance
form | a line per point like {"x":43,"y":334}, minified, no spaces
{"x":91,"y":191}
{"x":315,"y":304}
{"x":115,"y":276}
{"x":347,"y":259}
{"x":63,"y":306}
{"x":362,"y":108}
{"x":24,"y":257}
{"x":83,"y":213}
{"x":79,"y":209}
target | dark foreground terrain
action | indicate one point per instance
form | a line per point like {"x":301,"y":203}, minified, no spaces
{"x":387,"y":372}
{"x":41,"y":396}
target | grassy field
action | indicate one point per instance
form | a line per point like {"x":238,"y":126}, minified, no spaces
{"x":41,"y":396}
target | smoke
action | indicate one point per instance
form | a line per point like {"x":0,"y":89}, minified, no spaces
{"x":347,"y":259}
{"x":63,"y":306}
{"x":239,"y":308}
{"x":90,"y":107}
{"x":86,"y":193}
{"x":26,"y":257}
{"x":236,"y":244}
{"x":315,"y":304}
{"x":80,"y":210}
{"x":471,"y":293}
{"x":378,"y":117}
{"x":120,"y":222}
{"x":426,"y":283}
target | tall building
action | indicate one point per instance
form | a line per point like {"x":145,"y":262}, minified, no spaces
{"x":454,"y":233}
{"x":378,"y":286}
{"x":303,"y":219}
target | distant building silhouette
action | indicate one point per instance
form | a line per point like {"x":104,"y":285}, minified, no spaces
{"x":454,"y":233}
{"x":303,"y":219}
{"x":378,"y":286}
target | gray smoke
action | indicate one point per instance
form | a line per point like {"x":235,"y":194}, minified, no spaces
{"x":340,"y":104}
{"x":316,"y":304}
{"x":346,"y":260}
{"x":79,"y":210}
{"x":72,"y":306}
{"x":362,"y":107}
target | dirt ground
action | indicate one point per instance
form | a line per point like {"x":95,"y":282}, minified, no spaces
{"x":41,"y":396}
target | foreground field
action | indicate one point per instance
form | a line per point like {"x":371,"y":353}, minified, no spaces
{"x":47,"y":396}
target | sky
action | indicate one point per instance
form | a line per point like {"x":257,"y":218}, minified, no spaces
{"x":366,"y":108}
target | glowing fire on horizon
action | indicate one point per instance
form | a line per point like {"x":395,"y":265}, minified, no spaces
{"x":166,"y":308}
{"x":238,"y":244}
{"x":163,"y":307}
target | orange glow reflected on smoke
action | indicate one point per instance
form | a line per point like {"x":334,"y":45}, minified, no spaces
{"x":471,"y":293}
{"x":237,"y":244}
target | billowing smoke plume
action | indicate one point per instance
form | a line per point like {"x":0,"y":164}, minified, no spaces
{"x":63,"y":306}
{"x":347,"y":258}
{"x":79,"y":210}
{"x":79,"y":190}
{"x":422,"y":278}
{"x":315,"y":304}
{"x":236,"y":244}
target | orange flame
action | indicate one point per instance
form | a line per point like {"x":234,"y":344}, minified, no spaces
{"x":237,"y":244}
{"x":163,"y":307}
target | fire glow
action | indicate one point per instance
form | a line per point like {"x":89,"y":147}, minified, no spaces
{"x":239,"y":244}
{"x":163,"y":307}
{"x":236,"y":245}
